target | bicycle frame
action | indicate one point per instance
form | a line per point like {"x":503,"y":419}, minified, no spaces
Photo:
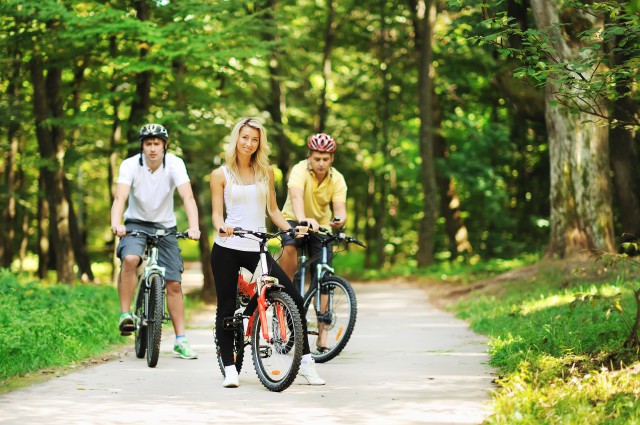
{"x":151,"y":267}
{"x":321,"y":268}
{"x":260,"y":286}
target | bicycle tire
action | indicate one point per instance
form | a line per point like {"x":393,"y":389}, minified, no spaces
{"x":342,"y":318}
{"x":141,"y":330}
{"x":276,"y":365}
{"x":154,"y":320}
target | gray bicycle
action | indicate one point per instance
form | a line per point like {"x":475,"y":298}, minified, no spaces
{"x":330,"y":305}
{"x":149,"y":304}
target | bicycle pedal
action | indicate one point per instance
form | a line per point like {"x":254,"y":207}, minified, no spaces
{"x":265,"y":351}
{"x":232,"y":323}
{"x":324,"y":318}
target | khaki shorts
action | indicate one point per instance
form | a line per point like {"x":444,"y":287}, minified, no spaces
{"x":169,"y":255}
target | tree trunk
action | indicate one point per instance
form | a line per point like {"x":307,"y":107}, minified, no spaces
{"x":43,"y":233}
{"x":47,"y":103}
{"x":624,"y":156}
{"x":382,"y":176}
{"x":9,"y":210}
{"x":369,"y":218}
{"x":76,"y":228}
{"x":581,"y":214}
{"x":77,"y":240}
{"x":115,"y":143}
{"x":424,"y":16}
{"x":208,"y":293}
{"x":140,"y":104}
{"x":276,"y":105}
{"x":329,"y":37}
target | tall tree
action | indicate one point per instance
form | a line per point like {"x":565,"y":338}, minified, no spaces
{"x":581,"y":214}
{"x":424,"y":16}
{"x":47,"y":103}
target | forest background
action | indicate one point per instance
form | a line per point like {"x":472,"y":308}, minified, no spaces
{"x":466,"y":130}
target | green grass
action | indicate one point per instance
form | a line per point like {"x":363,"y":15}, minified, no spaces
{"x":49,"y":325}
{"x":559,"y":362}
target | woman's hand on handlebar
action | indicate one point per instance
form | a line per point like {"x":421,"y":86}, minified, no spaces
{"x":193,"y":234}
{"x":226,"y":231}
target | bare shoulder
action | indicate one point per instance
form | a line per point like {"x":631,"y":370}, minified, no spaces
{"x":217,"y":176}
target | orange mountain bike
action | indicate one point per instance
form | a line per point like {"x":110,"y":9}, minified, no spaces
{"x":274,"y":331}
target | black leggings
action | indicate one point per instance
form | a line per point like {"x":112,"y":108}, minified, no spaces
{"x":226,"y":263}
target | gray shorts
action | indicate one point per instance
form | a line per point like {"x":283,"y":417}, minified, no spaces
{"x":169,"y":255}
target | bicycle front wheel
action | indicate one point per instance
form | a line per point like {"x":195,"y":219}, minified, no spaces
{"x":155,"y":314}
{"x":277,"y":359}
{"x":330,"y":326}
{"x":141,"y":330}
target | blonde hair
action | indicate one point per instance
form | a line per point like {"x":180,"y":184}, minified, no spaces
{"x":259,"y":159}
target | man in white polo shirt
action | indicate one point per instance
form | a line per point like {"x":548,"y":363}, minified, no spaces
{"x":148,"y":181}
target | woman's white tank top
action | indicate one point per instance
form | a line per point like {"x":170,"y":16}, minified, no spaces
{"x":245,"y":209}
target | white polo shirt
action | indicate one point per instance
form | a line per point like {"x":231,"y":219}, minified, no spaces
{"x":151,"y":196}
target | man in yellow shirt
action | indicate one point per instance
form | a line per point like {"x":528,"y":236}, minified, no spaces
{"x":317,"y":195}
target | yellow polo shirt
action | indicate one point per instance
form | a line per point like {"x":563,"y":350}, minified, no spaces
{"x":317,"y":197}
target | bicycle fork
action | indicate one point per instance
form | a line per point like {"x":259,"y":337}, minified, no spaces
{"x":267,"y":283}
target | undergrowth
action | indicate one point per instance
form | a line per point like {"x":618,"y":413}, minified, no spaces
{"x":47,"y":325}
{"x":560,"y":361}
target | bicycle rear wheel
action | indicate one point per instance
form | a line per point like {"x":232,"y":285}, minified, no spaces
{"x":333,"y":326}
{"x":277,"y":360}
{"x":155,"y":314}
{"x":141,"y":331}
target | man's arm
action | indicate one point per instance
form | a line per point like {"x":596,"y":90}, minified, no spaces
{"x":297,"y":203}
{"x":191,"y":208}
{"x":339,"y":210}
{"x":117,"y":209}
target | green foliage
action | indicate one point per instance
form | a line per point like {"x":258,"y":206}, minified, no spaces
{"x":559,"y":361}
{"x":212,"y":62}
{"x":606,"y":67}
{"x":53,"y":325}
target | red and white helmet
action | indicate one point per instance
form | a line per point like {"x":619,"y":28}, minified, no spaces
{"x":322,"y":142}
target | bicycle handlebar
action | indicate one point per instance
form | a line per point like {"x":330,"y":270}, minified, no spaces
{"x":340,"y":236}
{"x":238,"y":231}
{"x":158,"y":234}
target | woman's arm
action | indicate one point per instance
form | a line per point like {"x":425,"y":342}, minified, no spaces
{"x":217,"y":184}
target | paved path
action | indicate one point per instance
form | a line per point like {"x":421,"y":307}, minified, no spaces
{"x":406,"y":363}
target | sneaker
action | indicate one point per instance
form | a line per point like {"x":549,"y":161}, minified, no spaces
{"x":231,"y":378}
{"x":308,"y":371}
{"x":126,"y":325}
{"x":184,"y":350}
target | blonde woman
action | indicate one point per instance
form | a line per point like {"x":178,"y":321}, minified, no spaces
{"x":244,"y":187}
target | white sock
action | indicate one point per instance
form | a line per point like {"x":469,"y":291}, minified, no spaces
{"x":230,"y":370}
{"x":306,"y":359}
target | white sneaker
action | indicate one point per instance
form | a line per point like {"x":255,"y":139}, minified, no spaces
{"x":231,"y":378}
{"x":308,"y":371}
